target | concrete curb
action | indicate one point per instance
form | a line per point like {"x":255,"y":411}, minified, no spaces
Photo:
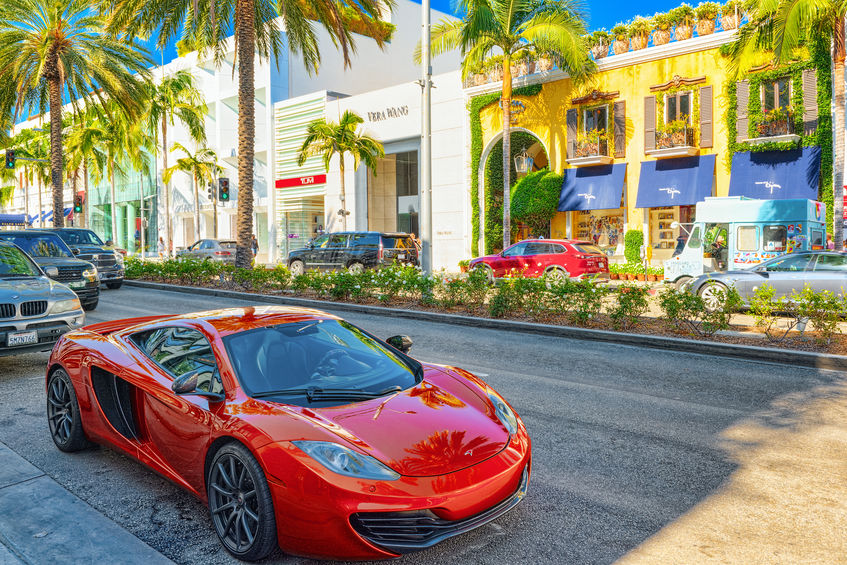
{"x":746,"y":352}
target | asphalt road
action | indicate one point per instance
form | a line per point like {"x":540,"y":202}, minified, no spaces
{"x":640,"y":456}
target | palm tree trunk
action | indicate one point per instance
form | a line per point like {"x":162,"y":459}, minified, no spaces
{"x":838,"y":131}
{"x":85,"y":207}
{"x":245,"y":42}
{"x":168,"y":231}
{"x":56,"y":156}
{"x":196,"y":206}
{"x":506,"y":100}
{"x":343,"y":195}
{"x":73,"y":192}
{"x":114,"y":213}
{"x":40,"y":203}
{"x":26,"y":198}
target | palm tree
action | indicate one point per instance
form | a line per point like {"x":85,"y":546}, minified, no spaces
{"x":507,"y":29}
{"x":201,"y":166}
{"x":50,"y":49}
{"x":256,"y":31}
{"x":782,"y":26}
{"x":84,"y":152}
{"x":175,"y":96}
{"x":329,"y":139}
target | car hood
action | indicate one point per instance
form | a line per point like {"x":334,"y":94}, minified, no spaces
{"x":486,"y":258}
{"x":60,"y":262}
{"x":33,"y":288}
{"x":439,"y":426}
{"x":89,"y":248}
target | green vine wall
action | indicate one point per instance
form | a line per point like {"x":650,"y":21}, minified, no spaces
{"x":475,"y":107}
{"x":821,"y":137}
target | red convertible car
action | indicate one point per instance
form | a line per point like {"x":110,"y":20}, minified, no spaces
{"x":296,"y":427}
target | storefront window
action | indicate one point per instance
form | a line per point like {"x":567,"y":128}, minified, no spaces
{"x":678,"y":107}
{"x":776,"y":94}
{"x":816,"y":239}
{"x":393,"y":195}
{"x":408,"y":202}
{"x":747,"y":238}
{"x":602,"y":227}
{"x":774,"y":238}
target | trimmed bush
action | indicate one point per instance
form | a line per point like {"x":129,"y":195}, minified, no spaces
{"x":633,"y":240}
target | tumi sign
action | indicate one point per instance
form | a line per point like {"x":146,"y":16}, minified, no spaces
{"x":300,"y":181}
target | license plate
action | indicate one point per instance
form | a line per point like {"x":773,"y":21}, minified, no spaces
{"x":401,"y":255}
{"x":77,"y":284}
{"x":21,"y":338}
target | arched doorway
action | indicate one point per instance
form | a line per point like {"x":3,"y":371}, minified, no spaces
{"x":490,"y":219}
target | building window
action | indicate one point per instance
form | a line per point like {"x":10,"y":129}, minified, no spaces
{"x":595,"y":119}
{"x":774,"y":238}
{"x":748,"y":238}
{"x":776,"y":94}
{"x":678,"y":107}
{"x":393,"y":196}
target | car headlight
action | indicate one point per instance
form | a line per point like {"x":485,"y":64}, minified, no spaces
{"x":119,"y":259}
{"x":504,"y":413}
{"x":345,"y":461}
{"x":68,"y":305}
{"x":90,"y":273}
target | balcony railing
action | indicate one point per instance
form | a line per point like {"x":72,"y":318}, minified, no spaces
{"x":592,"y":148}
{"x":775,"y":127}
{"x":669,"y":139}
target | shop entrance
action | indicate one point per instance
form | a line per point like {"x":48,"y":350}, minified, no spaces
{"x":393,"y":194}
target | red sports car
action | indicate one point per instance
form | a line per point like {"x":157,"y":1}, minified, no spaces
{"x":555,"y":258}
{"x":296,"y":427}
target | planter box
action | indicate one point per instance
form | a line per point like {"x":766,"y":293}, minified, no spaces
{"x":661,"y":36}
{"x":729,"y":22}
{"x":774,"y":139}
{"x":683,"y":32}
{"x":613,"y":276}
{"x":705,"y":27}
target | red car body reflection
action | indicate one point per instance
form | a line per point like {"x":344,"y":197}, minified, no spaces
{"x":458,"y":464}
{"x":536,"y":257}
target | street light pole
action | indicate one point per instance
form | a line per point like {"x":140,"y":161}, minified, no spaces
{"x":426,"y":140}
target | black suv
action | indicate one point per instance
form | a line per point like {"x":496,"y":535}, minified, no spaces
{"x":47,"y":250}
{"x":87,"y":246}
{"x":354,"y":251}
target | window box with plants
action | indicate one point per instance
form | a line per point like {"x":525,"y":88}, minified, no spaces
{"x":775,"y":126}
{"x":592,"y":148}
{"x":674,"y":139}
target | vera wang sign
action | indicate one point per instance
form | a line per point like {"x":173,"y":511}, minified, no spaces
{"x":388,"y":113}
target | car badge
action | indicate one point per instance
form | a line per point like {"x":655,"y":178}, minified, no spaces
{"x":469,"y":452}
{"x":15,"y":297}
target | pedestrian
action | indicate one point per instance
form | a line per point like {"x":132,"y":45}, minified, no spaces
{"x":160,"y":247}
{"x":830,"y":244}
{"x":254,"y":245}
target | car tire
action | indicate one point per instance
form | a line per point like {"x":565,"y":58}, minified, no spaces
{"x":680,"y":283}
{"x":114,"y":285}
{"x":710,"y":293}
{"x":556,"y":275}
{"x":240,"y":503}
{"x":355,"y":268}
{"x":297,"y":267}
{"x":91,"y":304}
{"x":63,"y":417}
{"x":489,"y":273}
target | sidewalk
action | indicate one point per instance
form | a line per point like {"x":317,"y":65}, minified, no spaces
{"x":41,"y":522}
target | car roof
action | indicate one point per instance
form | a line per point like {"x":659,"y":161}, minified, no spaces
{"x":556,"y":241}
{"x":28,"y":232}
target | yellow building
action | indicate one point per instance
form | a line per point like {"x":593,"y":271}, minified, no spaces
{"x":655,"y":131}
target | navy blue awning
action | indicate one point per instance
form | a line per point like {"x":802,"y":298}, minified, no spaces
{"x":14,"y":220}
{"x":592,"y":188}
{"x":776,"y":175}
{"x":675,"y":182}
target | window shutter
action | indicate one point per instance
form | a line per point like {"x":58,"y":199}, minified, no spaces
{"x":742,"y":99}
{"x":810,"y":101}
{"x":620,"y":128}
{"x":571,"y":134}
{"x":649,"y":123}
{"x":706,"y":116}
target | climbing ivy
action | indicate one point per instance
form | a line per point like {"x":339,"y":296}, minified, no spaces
{"x":821,"y":137}
{"x":475,"y":106}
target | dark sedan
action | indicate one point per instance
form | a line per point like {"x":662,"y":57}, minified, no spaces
{"x":821,"y":270}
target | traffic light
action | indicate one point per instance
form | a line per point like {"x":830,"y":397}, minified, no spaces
{"x":210,"y":191}
{"x":10,"y":158}
{"x":77,"y":203}
{"x":223,"y":189}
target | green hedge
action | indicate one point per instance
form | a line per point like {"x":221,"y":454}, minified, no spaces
{"x":535,"y":199}
{"x":633,"y":240}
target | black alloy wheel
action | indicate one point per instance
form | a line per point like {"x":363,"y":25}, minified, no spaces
{"x":240,"y":503}
{"x":63,"y":413}
{"x":114,"y":285}
{"x":91,"y":304}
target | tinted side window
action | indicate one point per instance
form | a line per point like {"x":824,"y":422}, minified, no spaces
{"x":337,"y":240}
{"x":774,"y":238}
{"x":588,"y":248}
{"x":364,"y":240}
{"x":831,"y":263}
{"x":536,"y":249}
{"x":790,"y":263}
{"x":207,"y":244}
{"x":556,"y":248}
{"x":397,"y":242}
{"x":516,"y":250}
{"x":181,"y":350}
{"x":321,"y":241}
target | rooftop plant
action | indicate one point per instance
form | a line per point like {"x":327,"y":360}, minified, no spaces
{"x":598,"y":37}
{"x":682,"y":15}
{"x":707,"y":10}
{"x":639,"y":26}
{"x":661,"y":21}
{"x":620,"y":32}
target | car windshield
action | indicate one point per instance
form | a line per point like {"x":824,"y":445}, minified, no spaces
{"x":14,"y":263}
{"x":588,"y":248}
{"x":40,"y":245}
{"x":80,"y":237}
{"x":289,"y":359}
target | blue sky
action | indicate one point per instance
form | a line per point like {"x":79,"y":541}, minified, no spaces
{"x":600,"y":14}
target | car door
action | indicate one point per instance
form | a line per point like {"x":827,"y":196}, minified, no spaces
{"x":337,"y":254}
{"x":829,"y":272}
{"x":207,"y":249}
{"x":510,"y":260}
{"x":177,"y":427}
{"x":532,"y":261}
{"x":788,"y":274}
{"x":314,"y":253}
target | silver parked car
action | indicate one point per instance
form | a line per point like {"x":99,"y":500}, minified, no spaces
{"x":34,"y":310}
{"x":213,"y":249}
{"x":821,"y":270}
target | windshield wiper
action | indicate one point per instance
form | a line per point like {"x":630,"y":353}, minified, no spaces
{"x":317,"y":394}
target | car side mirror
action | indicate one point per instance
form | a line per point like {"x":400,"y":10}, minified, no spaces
{"x":187,"y":384}
{"x":51,"y":272}
{"x":400,"y":342}
{"x":75,"y":251}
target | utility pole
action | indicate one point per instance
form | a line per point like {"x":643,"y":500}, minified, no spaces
{"x":426,"y":140}
{"x":214,"y":210}
{"x":141,"y":209}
